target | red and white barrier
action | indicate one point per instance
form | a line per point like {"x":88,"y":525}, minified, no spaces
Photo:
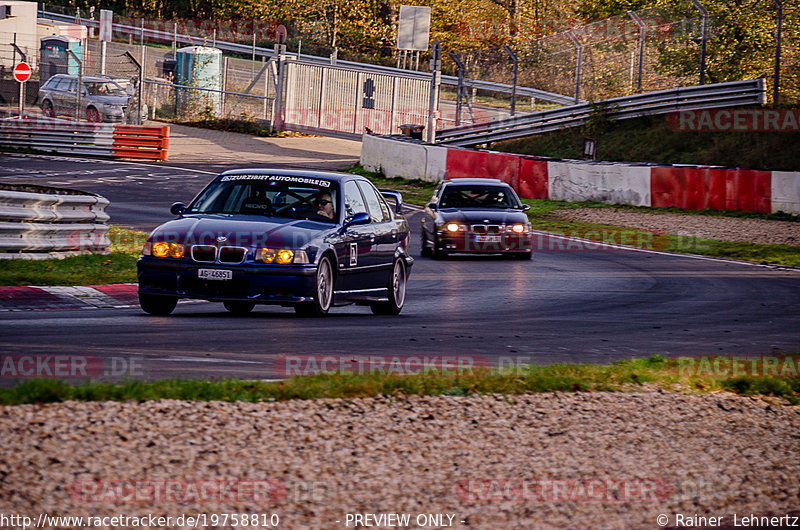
{"x":689,"y":188}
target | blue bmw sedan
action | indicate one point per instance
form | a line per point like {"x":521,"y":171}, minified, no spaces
{"x":306,"y":239}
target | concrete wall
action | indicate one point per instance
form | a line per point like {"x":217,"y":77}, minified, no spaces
{"x":22,"y":22}
{"x":686,"y":187}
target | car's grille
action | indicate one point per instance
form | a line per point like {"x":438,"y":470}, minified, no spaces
{"x":204,"y":253}
{"x":232,"y":254}
{"x":487,"y":229}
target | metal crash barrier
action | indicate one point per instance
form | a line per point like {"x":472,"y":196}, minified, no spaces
{"x":55,"y":135}
{"x":35,"y":221}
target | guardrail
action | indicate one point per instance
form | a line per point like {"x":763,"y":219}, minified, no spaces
{"x":36,"y":221}
{"x":70,"y":137}
{"x":247,"y":50}
{"x":731,"y":94}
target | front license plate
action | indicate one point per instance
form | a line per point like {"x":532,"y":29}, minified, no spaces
{"x":487,"y":239}
{"x":215,"y":274}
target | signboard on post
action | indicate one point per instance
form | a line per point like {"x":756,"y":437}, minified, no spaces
{"x":414,"y":28}
{"x":106,"y":15}
{"x":22,"y":72}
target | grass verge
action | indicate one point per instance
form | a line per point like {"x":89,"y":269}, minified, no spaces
{"x":543,"y":216}
{"x":118,"y":266}
{"x":770,"y":376}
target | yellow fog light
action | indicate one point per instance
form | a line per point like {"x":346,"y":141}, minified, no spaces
{"x":267,"y":255}
{"x":452,"y":227}
{"x":284,"y":257}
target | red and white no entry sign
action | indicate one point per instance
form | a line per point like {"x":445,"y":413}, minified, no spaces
{"x":22,"y":72}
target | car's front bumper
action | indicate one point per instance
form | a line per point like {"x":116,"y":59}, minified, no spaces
{"x":466,"y":242}
{"x":265,"y":284}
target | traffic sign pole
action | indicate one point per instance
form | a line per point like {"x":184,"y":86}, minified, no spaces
{"x":22,"y":72}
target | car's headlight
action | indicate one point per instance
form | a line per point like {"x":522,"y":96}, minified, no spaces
{"x":109,"y":107}
{"x":452,"y":227}
{"x":162,"y":249}
{"x":281,"y":256}
{"x":516,"y":228}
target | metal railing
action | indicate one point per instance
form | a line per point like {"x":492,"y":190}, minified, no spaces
{"x":731,"y":94}
{"x":40,"y":220}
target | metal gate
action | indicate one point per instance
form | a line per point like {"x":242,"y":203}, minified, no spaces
{"x":333,"y":100}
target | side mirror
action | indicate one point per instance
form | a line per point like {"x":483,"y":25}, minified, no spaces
{"x":396,"y":197}
{"x":432,"y":206}
{"x":177,"y":209}
{"x":526,"y":207}
{"x":361,"y":218}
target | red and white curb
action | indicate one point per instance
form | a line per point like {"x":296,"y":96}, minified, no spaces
{"x":28,"y":298}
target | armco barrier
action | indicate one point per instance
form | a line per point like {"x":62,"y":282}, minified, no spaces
{"x":56,"y":135}
{"x":572,"y":180}
{"x":38,"y":220}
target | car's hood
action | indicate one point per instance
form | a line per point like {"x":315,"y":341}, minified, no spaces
{"x":245,"y":231}
{"x":478,"y":216}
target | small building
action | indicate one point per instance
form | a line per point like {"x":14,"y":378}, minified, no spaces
{"x":18,"y":25}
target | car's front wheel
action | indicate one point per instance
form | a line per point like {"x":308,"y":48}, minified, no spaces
{"x":397,"y":291}
{"x":239,"y":308}
{"x":155,"y":304}
{"x":93,"y":115}
{"x":424,"y":249}
{"x":323,"y":292}
{"x":47,"y":109}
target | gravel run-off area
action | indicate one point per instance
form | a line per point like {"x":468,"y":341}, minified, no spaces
{"x":761,"y":231}
{"x":588,"y":460}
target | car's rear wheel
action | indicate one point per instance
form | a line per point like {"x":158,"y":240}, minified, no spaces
{"x":93,"y":115}
{"x":523,"y":255}
{"x":323,"y":292}
{"x":239,"y":308}
{"x":155,"y":304}
{"x":47,"y":109}
{"x":397,"y":291}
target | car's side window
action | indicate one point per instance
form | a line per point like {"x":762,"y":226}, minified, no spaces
{"x":377,"y":208}
{"x":353,"y":203}
{"x":73,"y":86}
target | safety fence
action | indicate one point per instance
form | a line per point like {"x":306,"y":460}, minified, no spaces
{"x":70,"y":137}
{"x":720,"y":95}
{"x":685,"y":187}
{"x":36,"y":221}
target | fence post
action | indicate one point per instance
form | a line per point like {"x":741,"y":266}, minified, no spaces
{"x":460,"y":87}
{"x":280,"y":54}
{"x":436,"y":80}
{"x":222,"y":97}
{"x":578,"y":64}
{"x":514,"y":72}
{"x":703,"y":40}
{"x":103,"y":51}
{"x":778,"y":24}
{"x":642,"y":37}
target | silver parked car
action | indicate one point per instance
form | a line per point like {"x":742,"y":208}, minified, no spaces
{"x":102,"y":100}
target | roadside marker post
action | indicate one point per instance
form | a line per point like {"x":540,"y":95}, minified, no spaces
{"x":22,"y":72}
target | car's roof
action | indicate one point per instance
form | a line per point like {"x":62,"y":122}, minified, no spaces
{"x":85,"y":77}
{"x":473,"y":181}
{"x":293,"y":173}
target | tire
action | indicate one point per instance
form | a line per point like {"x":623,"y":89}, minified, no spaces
{"x":155,"y":304}
{"x":424,"y":250}
{"x":323,"y":292}
{"x":239,"y":308}
{"x":396,"y":291}
{"x":47,"y":109}
{"x":524,"y":255}
{"x":438,"y":254}
{"x":93,"y":115}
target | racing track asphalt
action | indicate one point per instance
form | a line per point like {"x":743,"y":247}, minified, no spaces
{"x":570,"y":304}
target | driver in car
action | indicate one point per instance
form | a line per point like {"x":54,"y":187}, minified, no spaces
{"x":324,"y":204}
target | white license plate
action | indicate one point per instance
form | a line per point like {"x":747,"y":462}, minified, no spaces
{"x":487,"y":239}
{"x":215,"y":274}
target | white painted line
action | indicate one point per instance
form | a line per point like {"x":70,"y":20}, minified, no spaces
{"x":185,"y":359}
{"x":595,"y":244}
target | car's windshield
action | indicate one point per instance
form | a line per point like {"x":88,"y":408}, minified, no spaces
{"x":294,"y":197}
{"x":480,"y":196}
{"x":104,"y":88}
